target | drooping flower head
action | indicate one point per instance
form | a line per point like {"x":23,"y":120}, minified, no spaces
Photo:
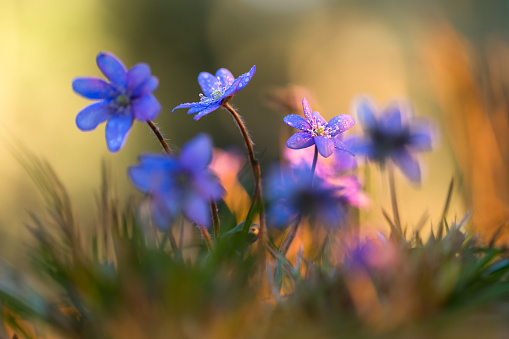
{"x":217,"y":90}
{"x":392,"y":134}
{"x":179,"y":184}
{"x":291,"y":193}
{"x":316,"y":131}
{"x":127,"y":96}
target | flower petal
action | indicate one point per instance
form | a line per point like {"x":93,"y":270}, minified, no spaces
{"x":296,"y":121}
{"x":208,"y":83}
{"x":212,"y":107}
{"x":207,"y":185}
{"x":342,"y":146}
{"x":112,"y":68}
{"x":421,"y":137}
{"x":319,"y":118}
{"x":145,"y":107}
{"x":391,"y":119}
{"x":365,"y":109}
{"x":225,"y":76}
{"x":196,"y":154}
{"x":117,"y":130}
{"x":148,"y":87}
{"x":186,"y":105}
{"x":93,"y":88}
{"x":307,"y":109}
{"x":137,"y":76}
{"x":239,"y":83}
{"x":198,"y":210}
{"x":408,"y":165}
{"x":300,"y":140}
{"x":341,"y":123}
{"x":92,"y":115}
{"x":325,"y":146}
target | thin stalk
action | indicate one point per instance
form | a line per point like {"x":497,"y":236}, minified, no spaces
{"x":313,"y":166}
{"x":290,"y":236}
{"x":215,"y":220}
{"x":255,"y":166}
{"x":159,"y":136}
{"x":394,"y":200}
{"x":206,"y":237}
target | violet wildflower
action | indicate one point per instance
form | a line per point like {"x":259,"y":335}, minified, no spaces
{"x":292,"y":194}
{"x":180,"y":184}
{"x":317,"y":131}
{"x":217,"y":90}
{"x":127,"y":96}
{"x":392,"y":136}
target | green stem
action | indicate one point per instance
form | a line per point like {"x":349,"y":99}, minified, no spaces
{"x":313,"y":166}
{"x":394,"y":200}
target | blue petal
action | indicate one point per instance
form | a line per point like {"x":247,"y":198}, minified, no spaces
{"x":196,"y":154}
{"x":117,"y":130}
{"x":207,"y":110}
{"x":319,"y":118}
{"x":300,"y":140}
{"x":365,"y":109}
{"x":341,"y":123}
{"x":240,"y":83}
{"x":137,"y":76}
{"x":362,"y":146}
{"x":225,"y":76}
{"x":342,"y":146}
{"x":391,"y":119}
{"x":145,"y":107}
{"x":307,"y":109}
{"x":197,"y":210}
{"x":296,"y":121}
{"x":198,"y":107}
{"x":421,"y":138}
{"x":208,"y":83}
{"x":208,"y":186}
{"x":408,"y":165}
{"x":93,"y":88}
{"x":186,"y":105}
{"x":112,"y":68}
{"x":325,"y":146}
{"x":92,"y":115}
{"x":148,"y":87}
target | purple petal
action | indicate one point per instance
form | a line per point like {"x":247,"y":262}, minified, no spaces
{"x":198,"y":107}
{"x":325,"y":146}
{"x":209,"y":109}
{"x":208,"y":186}
{"x":246,"y":78}
{"x":365,"y":109}
{"x":421,"y":137}
{"x":307,"y":109}
{"x":92,"y":115}
{"x":186,"y":105}
{"x":319,"y":118}
{"x":117,"y":130}
{"x":342,"y":146}
{"x":300,"y":140}
{"x":208,"y":83}
{"x":137,"y":76}
{"x":145,"y":179}
{"x":225,"y":76}
{"x":296,"y":121}
{"x":145,"y":107}
{"x":93,"y":88}
{"x":197,"y":153}
{"x":408,"y":165}
{"x":148,"y":87}
{"x":391,"y":119}
{"x":341,"y":123}
{"x":198,"y":210}
{"x":112,"y":68}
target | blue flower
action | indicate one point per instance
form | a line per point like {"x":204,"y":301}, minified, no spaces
{"x":317,"y":131}
{"x":179,"y":184}
{"x":291,"y":193}
{"x":392,"y":136}
{"x":217,"y":90}
{"x":127,"y":96}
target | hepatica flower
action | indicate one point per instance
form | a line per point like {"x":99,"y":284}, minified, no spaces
{"x":179,"y":184}
{"x":127,"y":96}
{"x":316,"y":131}
{"x":217,"y":90}
{"x":391,"y":134}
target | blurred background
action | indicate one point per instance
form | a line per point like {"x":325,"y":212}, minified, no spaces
{"x":449,"y":58}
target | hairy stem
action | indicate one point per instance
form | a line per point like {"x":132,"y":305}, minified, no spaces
{"x":206,"y":237}
{"x":159,"y":136}
{"x":215,"y":220}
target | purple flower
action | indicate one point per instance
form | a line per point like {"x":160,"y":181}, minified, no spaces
{"x":317,"y":131}
{"x":179,"y":184}
{"x":291,"y":193}
{"x":392,"y":136}
{"x":127,"y":96}
{"x":217,"y":90}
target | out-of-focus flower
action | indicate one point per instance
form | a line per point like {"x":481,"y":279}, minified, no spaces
{"x":292,"y":193}
{"x":317,"y":131}
{"x":127,"y":96}
{"x":217,"y":90}
{"x":179,"y":184}
{"x":391,"y":135}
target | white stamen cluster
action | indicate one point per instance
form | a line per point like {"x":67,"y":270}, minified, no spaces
{"x":216,"y":94}
{"x":319,"y":128}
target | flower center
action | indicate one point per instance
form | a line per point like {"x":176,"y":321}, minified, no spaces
{"x":216,"y":94}
{"x":122,"y":100}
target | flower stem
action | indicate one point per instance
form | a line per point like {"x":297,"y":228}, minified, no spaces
{"x":394,"y":201}
{"x":255,"y":166}
{"x":159,"y":136}
{"x":206,"y":237}
{"x":313,"y":166}
{"x":215,"y":220}
{"x":290,"y":236}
